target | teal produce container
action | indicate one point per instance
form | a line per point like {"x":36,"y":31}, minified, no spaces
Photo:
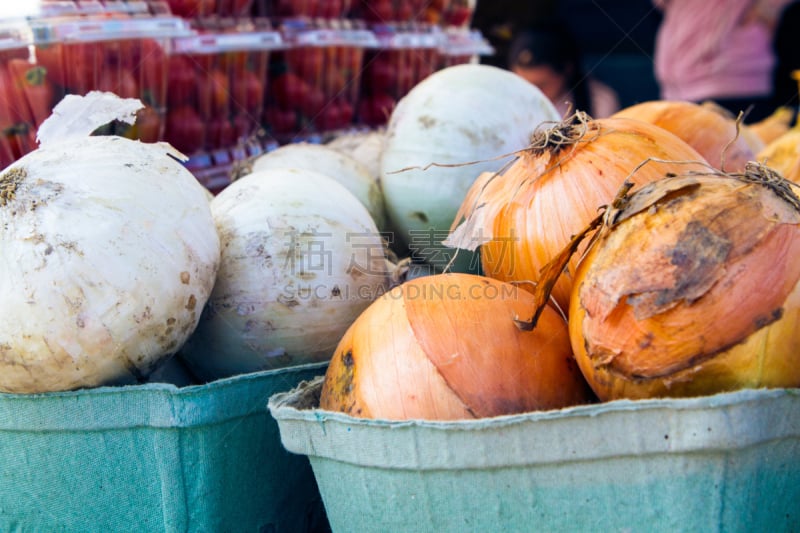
{"x":155,"y":457}
{"x":722,"y":463}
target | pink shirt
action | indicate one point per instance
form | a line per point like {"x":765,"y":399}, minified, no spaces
{"x":715,"y":48}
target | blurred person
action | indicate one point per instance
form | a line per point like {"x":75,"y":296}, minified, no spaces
{"x":718,"y":50}
{"x":547,"y":55}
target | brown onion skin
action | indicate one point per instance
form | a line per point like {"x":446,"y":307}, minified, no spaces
{"x":712,"y":134}
{"x":549,"y":196}
{"x":446,"y":347}
{"x":696,"y":296}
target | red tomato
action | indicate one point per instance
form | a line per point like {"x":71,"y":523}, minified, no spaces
{"x":213,"y":92}
{"x":184,"y":130}
{"x":313,"y":103}
{"x":118,"y":81}
{"x":375,"y":110}
{"x":151,"y":72}
{"x":51,"y":57}
{"x":289,"y":90}
{"x":280,"y":121}
{"x":181,"y":81}
{"x":381,"y":75}
{"x":35,"y":87}
{"x":248,"y":93}
{"x":13,"y":110}
{"x":220,"y":133}
{"x":83,"y":63}
{"x":458,"y":16}
{"x":191,"y":8}
{"x":378,"y":10}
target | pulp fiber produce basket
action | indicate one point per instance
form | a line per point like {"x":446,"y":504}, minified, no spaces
{"x":155,"y":457}
{"x":728,"y":462}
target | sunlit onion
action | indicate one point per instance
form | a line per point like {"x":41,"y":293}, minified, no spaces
{"x":714,"y":135}
{"x":524,"y":217}
{"x":692,"y":288}
{"x":445,"y":347}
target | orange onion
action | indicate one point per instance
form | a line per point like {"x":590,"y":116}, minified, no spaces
{"x":773,"y":126}
{"x":692,"y":287}
{"x":783,"y":154}
{"x":524,"y":217}
{"x":715,"y":136}
{"x":447,"y":347}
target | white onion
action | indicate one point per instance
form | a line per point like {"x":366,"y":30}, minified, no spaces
{"x":109,"y":255}
{"x":301,"y":259}
{"x":457,"y":115}
{"x":365,"y":147}
{"x":320,"y":158}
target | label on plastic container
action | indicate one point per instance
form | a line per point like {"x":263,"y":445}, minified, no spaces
{"x":211,"y":43}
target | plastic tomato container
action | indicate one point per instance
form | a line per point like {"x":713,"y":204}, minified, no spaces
{"x":123,"y":52}
{"x":313,"y":9}
{"x":406,"y":54}
{"x":314,"y":83}
{"x":216,"y":86}
{"x":726,"y":462}
{"x":24,"y":96}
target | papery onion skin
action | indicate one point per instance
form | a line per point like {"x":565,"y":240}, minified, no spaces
{"x":301,"y":258}
{"x":696,"y":295}
{"x":552,"y":193}
{"x":109,"y":254}
{"x":783,"y":155}
{"x":446,"y":347}
{"x":712,"y":134}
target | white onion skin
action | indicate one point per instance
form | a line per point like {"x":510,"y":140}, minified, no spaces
{"x":458,"y":115}
{"x":265,"y":311}
{"x":356,"y":177}
{"x":109,"y":254}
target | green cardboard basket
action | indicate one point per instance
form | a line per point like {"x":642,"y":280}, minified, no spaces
{"x":155,"y":457}
{"x":728,"y":462}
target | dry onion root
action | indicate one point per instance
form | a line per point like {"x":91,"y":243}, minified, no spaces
{"x":445,"y":347}
{"x":525,"y":216}
{"x":709,"y":302}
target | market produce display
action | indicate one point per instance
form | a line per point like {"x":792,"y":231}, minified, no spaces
{"x":223,"y":192}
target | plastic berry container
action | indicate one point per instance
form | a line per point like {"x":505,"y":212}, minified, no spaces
{"x":22,"y":101}
{"x":117,"y":51}
{"x":315,"y":82}
{"x":216,"y":87}
{"x":406,"y":54}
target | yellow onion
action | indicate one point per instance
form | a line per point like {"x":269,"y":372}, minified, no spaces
{"x":772,"y":127}
{"x":446,"y":347}
{"x":524,"y":217}
{"x":783,"y":154}
{"x":712,"y":134}
{"x":691,"y":288}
